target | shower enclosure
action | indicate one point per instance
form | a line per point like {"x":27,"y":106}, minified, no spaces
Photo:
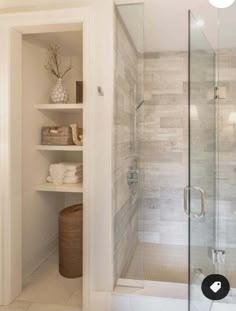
{"x":173,"y":198}
{"x":201,"y":190}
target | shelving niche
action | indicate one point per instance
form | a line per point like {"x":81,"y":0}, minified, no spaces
{"x":42,"y":201}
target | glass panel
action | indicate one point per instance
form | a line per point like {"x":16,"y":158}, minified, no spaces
{"x":226,"y":239}
{"x":128,"y":116}
{"x":202,"y":162}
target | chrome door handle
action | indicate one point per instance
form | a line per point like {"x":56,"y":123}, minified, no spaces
{"x":186,"y":209}
{"x":202,"y":213}
{"x":203,"y":199}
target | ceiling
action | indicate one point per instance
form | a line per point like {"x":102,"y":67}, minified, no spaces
{"x":227,"y":33}
{"x":166,"y":24}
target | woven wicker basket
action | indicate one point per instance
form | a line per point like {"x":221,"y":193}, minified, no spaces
{"x":71,"y":241}
{"x":58,"y":135}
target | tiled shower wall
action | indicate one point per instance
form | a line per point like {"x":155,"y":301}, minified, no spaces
{"x":227,"y":148}
{"x":125,"y":203}
{"x":165,"y":148}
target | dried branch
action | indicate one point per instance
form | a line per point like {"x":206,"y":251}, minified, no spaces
{"x":67,"y":70}
{"x":54,"y":62}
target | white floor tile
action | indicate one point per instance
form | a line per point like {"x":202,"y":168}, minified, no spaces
{"x":120,"y":303}
{"x":17,"y":306}
{"x":45,"y":307}
{"x":47,"y":287}
{"x":47,"y":290}
{"x":76,"y":299}
{"x":160,"y":304}
{"x":144,"y":303}
{"x":223,"y":307}
{"x":101,"y":301}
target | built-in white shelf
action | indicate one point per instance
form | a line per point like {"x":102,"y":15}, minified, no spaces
{"x":59,"y":148}
{"x":66,"y":188}
{"x":67,"y":108}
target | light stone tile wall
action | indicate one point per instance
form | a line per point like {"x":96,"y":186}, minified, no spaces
{"x":164,"y":148}
{"x":203,"y":151}
{"x":227,"y":149}
{"x":125,"y":209}
{"x":202,"y":158}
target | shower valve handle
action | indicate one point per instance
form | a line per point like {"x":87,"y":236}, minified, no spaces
{"x":132,"y":177}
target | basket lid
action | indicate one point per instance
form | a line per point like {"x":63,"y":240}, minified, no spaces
{"x":72,"y":211}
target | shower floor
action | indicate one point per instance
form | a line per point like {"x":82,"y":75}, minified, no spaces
{"x":155,"y":262}
{"x":169,"y":263}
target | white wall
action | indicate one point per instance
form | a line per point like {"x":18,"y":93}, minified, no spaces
{"x":102,"y":229}
{"x":40,"y":211}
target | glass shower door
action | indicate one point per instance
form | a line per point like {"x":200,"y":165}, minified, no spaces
{"x":200,"y":194}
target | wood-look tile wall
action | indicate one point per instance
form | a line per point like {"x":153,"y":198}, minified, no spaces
{"x":227,"y":149}
{"x":164,"y":148}
{"x":125,"y":196}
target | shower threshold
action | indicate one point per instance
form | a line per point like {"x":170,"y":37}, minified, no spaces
{"x":152,"y":288}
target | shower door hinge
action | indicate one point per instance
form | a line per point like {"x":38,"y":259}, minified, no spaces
{"x":218,"y":256}
{"x":220,"y":92}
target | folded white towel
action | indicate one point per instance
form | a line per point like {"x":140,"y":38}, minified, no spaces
{"x":73,"y":173}
{"x":58,"y":167}
{"x":65,"y":172}
{"x":57,"y":171}
{"x":72,"y":166}
{"x":55,"y":181}
{"x":49,"y":179}
{"x":71,"y":180}
{"x":66,"y":180}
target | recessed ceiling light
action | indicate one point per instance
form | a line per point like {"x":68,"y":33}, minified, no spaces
{"x":221,"y":4}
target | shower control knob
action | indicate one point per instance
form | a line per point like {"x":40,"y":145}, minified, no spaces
{"x":132,"y":177}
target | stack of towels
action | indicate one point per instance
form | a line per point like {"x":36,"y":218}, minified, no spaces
{"x":65,"y":173}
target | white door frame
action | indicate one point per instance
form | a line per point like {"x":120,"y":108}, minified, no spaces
{"x":12,"y":26}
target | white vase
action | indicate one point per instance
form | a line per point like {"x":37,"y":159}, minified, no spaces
{"x":59,"y":94}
